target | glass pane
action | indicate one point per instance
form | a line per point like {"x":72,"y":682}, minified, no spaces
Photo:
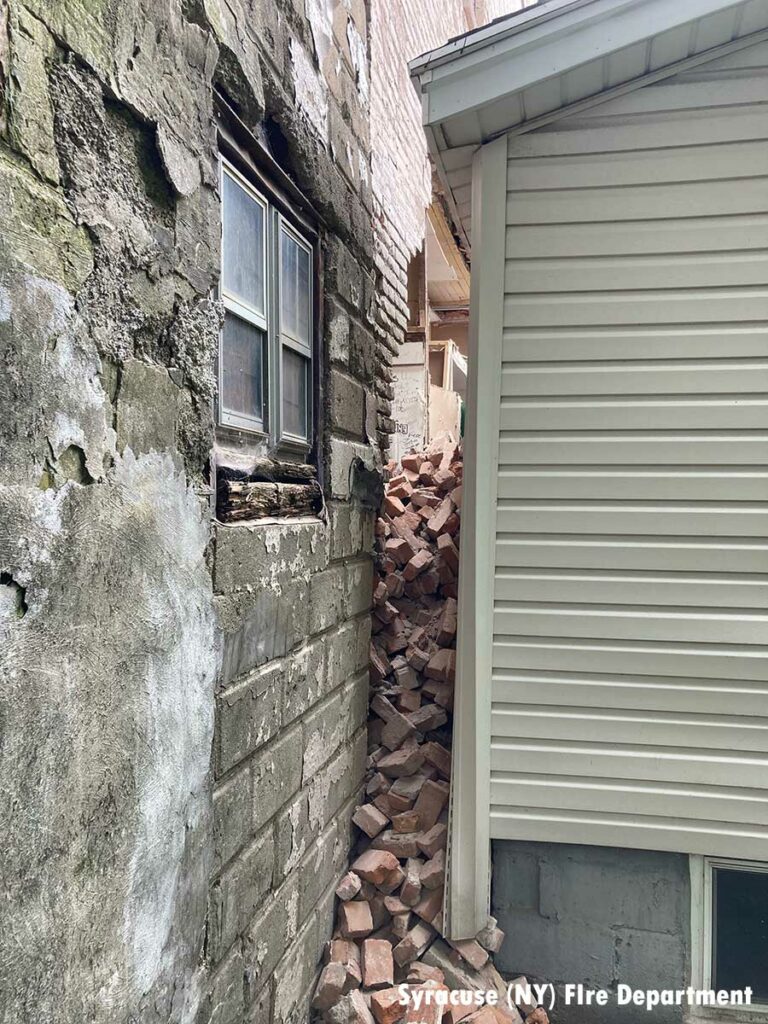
{"x":303,"y":312}
{"x":242,"y":369}
{"x":295,"y":391}
{"x":294,"y":289}
{"x":288,"y":283}
{"x":243,"y":245}
{"x":741,"y":931}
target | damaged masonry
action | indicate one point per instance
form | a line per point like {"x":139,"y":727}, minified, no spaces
{"x":210,"y":216}
{"x":382,"y":511}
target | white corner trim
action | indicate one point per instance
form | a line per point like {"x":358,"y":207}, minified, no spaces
{"x":469,"y":851}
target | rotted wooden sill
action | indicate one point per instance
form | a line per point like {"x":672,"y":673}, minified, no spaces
{"x":271,"y":490}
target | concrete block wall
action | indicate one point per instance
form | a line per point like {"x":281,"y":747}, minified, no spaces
{"x":289,"y":754}
{"x":594,"y":915}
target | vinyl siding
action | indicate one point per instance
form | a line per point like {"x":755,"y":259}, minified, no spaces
{"x":630,"y":650}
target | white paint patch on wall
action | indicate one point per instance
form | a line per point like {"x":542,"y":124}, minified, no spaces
{"x":175,"y":729}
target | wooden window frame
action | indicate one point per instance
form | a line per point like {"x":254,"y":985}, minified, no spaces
{"x":282,"y":214}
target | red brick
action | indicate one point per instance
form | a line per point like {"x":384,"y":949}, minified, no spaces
{"x":442,"y":666}
{"x":393,"y":506}
{"x":430,"y":803}
{"x":471,"y":951}
{"x":348,"y":887}
{"x":330,"y":986}
{"x":413,"y":945}
{"x":430,"y":905}
{"x":419,"y":973}
{"x":401,"y":846}
{"x":432,"y":874}
{"x":369,"y":819}
{"x":433,"y":840}
{"x":355,"y":919}
{"x":386,"y":1006}
{"x":405,"y":761}
{"x":377,"y":963}
{"x":374,"y":865}
{"x":406,"y":821}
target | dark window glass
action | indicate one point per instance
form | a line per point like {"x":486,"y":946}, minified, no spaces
{"x":740,"y":931}
{"x":242,"y":384}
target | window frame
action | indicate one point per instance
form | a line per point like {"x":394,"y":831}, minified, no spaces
{"x":702,"y":869}
{"x":280,"y":216}
{"x":260,"y":321}
{"x":284,"y":340}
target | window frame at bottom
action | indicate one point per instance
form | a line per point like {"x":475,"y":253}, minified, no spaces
{"x":702,"y":870}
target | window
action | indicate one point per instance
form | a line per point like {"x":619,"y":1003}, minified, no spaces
{"x":266,"y":345}
{"x":730,"y":930}
{"x":740,"y":930}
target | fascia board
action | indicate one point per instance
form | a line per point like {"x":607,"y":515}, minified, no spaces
{"x":501,"y":28}
{"x":513,"y":63}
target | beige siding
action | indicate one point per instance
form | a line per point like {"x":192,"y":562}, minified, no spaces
{"x":630,"y":653}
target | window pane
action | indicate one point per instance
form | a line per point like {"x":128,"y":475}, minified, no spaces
{"x":294,"y":289}
{"x":295,"y":391}
{"x":288,"y":249}
{"x":242,"y":370}
{"x":741,"y":931}
{"x":303,"y":312}
{"x":243,"y":245}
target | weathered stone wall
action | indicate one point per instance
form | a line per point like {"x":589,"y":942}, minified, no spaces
{"x":107,"y":631}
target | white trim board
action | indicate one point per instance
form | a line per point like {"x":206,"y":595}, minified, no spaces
{"x":467,"y":901}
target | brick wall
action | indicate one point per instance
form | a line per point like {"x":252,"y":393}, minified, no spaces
{"x":401,"y":177}
{"x":400,"y":173}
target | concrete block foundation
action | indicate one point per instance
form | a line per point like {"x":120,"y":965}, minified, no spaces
{"x":594,"y":915}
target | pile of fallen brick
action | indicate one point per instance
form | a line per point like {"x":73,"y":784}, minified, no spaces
{"x":389,"y":922}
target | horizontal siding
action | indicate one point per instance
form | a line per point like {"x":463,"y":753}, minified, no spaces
{"x":680,"y":553}
{"x":668,"y":483}
{"x":703,"y":661}
{"x":635,"y":238}
{"x":630,"y":652}
{"x":630,"y":692}
{"x":725,"y":197}
{"x":655,"y":273}
{"x":748,"y":807}
{"x":628,"y":342}
{"x":675,"y":164}
{"x":648,"y":832}
{"x":695,"y":377}
{"x":729,"y":590}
